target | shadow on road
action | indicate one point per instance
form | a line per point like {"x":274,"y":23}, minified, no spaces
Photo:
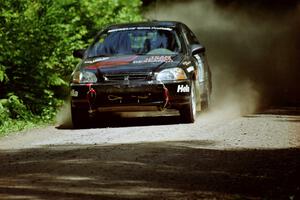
{"x":290,"y":114}
{"x":114,"y":121}
{"x":161,"y":170}
{"x":295,"y":111}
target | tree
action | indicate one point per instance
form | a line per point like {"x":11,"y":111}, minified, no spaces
{"x":36,"y":43}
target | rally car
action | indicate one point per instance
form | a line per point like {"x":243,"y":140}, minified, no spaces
{"x":146,"y":66}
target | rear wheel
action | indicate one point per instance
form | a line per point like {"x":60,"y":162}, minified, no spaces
{"x":80,"y":117}
{"x":188,"y":113}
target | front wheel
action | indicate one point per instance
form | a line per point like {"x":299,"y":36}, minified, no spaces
{"x":80,"y":117}
{"x":188,"y":113}
{"x":205,"y":100}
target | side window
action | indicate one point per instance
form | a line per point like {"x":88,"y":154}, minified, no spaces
{"x":192,"y":39}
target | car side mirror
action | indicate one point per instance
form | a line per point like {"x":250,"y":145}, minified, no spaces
{"x":79,"y":53}
{"x":197,"y":48}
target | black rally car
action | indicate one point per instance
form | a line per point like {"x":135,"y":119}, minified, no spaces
{"x":141,"y":67}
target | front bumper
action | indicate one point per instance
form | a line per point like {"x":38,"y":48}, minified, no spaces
{"x":133,"y":96}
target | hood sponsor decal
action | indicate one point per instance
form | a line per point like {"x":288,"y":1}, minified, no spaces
{"x":112,"y":62}
{"x":155,"y":59}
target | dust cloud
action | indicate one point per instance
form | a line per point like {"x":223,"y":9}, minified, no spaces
{"x":63,"y":116}
{"x":252,"y":48}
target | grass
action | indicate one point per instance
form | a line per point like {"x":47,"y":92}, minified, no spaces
{"x":17,"y":125}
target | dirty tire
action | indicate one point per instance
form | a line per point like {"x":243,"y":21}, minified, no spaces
{"x":198,"y":96}
{"x":188,"y":113}
{"x":205,"y":103}
{"x":80,"y":117}
{"x":205,"y":100}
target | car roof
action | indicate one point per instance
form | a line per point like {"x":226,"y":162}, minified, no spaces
{"x":167,"y":24}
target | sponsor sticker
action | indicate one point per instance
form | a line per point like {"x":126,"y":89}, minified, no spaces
{"x":183,"y":88}
{"x":74,"y":93}
{"x":190,"y":69}
{"x":186,"y":63}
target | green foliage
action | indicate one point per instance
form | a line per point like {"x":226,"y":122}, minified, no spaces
{"x":97,"y":14}
{"x":17,"y":109}
{"x":37,"y":39}
{"x":3,"y":76}
{"x":17,"y":125}
{"x":4,"y":112}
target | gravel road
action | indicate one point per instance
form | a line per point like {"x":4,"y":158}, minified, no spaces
{"x":221,"y":156}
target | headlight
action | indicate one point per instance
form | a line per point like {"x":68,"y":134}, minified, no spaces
{"x":84,"y":77}
{"x":171,"y":74}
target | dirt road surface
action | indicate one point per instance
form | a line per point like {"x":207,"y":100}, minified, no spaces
{"x":221,"y":156}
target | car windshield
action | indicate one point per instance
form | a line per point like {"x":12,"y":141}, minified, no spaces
{"x":136,"y":40}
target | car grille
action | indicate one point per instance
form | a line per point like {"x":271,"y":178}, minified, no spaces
{"x":125,"y":77}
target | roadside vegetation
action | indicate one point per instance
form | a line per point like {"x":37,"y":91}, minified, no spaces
{"x":37,"y":39}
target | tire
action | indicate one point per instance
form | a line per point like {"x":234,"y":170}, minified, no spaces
{"x":189,"y":112}
{"x":80,"y":117}
{"x":198,"y":89}
{"x":205,"y":100}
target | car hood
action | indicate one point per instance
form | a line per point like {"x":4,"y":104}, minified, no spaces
{"x":131,"y":63}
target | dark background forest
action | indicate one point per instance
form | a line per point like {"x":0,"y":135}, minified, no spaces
{"x":37,"y":39}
